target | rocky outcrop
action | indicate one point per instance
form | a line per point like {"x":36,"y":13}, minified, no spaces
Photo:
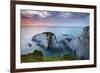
{"x":46,"y":40}
{"x":80,"y":44}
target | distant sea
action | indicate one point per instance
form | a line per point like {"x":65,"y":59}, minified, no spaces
{"x":27,"y":32}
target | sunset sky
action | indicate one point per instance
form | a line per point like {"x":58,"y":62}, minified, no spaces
{"x":54,"y":18}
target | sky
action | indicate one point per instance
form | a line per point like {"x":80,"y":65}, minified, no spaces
{"x":54,"y":18}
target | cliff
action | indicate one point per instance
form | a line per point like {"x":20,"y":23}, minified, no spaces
{"x":77,"y":46}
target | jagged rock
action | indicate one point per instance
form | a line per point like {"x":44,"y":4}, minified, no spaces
{"x":80,"y":44}
{"x":46,"y":40}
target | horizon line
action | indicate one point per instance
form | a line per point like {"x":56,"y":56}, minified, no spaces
{"x":54,"y":26}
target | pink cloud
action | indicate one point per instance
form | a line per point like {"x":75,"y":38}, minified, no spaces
{"x":26,"y":21}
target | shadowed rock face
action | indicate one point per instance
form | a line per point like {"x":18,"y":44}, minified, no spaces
{"x":51,"y":39}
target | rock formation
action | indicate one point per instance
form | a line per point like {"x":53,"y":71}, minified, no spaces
{"x":78,"y":46}
{"x":46,"y":40}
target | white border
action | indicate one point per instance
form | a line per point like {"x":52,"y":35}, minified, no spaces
{"x":20,"y":65}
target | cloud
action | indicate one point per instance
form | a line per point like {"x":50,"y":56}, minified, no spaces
{"x":30,"y":13}
{"x":53,"y":18}
{"x":65,"y":14}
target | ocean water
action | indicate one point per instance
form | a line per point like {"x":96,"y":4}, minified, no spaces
{"x":28,"y":32}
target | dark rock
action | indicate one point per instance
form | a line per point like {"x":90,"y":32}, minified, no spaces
{"x":29,"y":44}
